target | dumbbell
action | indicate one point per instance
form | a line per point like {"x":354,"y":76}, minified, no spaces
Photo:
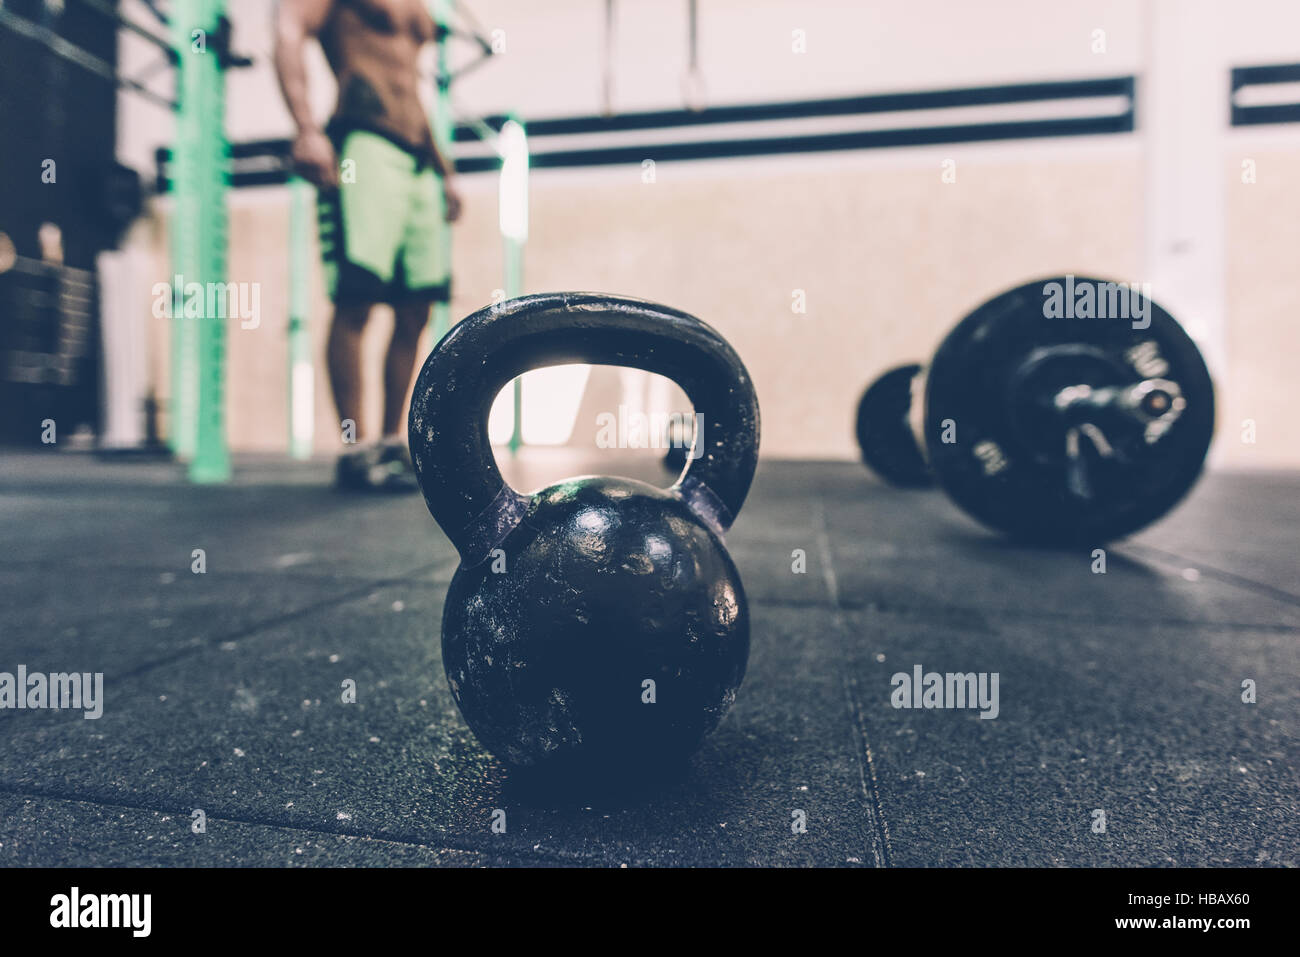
{"x":1066,"y":410}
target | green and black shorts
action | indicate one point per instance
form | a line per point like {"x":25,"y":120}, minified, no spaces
{"x":382,"y":233}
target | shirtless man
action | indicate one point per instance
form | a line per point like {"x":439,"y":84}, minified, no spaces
{"x":376,"y":167}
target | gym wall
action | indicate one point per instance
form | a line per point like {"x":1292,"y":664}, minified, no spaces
{"x":888,"y":255}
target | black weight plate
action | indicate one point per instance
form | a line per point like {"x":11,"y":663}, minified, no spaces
{"x":884,"y":434}
{"x":1007,"y":467}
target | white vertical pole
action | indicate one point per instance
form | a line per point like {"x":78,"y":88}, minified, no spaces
{"x":1183,"y":115}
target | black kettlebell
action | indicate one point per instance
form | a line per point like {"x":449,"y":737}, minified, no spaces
{"x":597,"y":624}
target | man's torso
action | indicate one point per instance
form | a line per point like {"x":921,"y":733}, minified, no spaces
{"x":373,"y":46}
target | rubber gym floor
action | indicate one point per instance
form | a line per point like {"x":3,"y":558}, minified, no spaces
{"x":1119,"y":692}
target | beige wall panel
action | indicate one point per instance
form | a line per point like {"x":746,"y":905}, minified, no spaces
{"x":1263,"y":252}
{"x":888,"y":256}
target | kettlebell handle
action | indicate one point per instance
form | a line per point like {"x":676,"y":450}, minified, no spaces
{"x":448,"y":422}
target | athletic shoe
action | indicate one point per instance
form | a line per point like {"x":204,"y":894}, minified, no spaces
{"x":352,"y":473}
{"x":394,"y":470}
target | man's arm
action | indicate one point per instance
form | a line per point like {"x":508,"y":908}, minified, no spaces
{"x":442,"y":163}
{"x":296,"y":21}
{"x":445,"y":168}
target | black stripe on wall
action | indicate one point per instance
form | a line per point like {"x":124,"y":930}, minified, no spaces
{"x":819,"y":143}
{"x":266,"y":162}
{"x":1264,"y":113}
{"x":805,"y":109}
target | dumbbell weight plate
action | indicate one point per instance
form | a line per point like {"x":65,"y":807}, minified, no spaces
{"x":885,"y":436}
{"x":1018,"y":466}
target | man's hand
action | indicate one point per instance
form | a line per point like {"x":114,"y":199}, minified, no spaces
{"x":313,"y":157}
{"x":454,"y":204}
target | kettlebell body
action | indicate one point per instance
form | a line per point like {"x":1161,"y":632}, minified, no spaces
{"x":597,"y":624}
{"x":616,"y":629}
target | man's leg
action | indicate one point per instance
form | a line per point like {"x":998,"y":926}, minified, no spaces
{"x":419,"y":279}
{"x":343,"y":353}
{"x":423,"y":273}
{"x":409,"y":320}
{"x":361,"y":227}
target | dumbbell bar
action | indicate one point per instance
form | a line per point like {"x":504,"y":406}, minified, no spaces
{"x":1050,"y":427}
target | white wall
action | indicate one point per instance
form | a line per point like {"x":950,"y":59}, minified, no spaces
{"x":552,"y":64}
